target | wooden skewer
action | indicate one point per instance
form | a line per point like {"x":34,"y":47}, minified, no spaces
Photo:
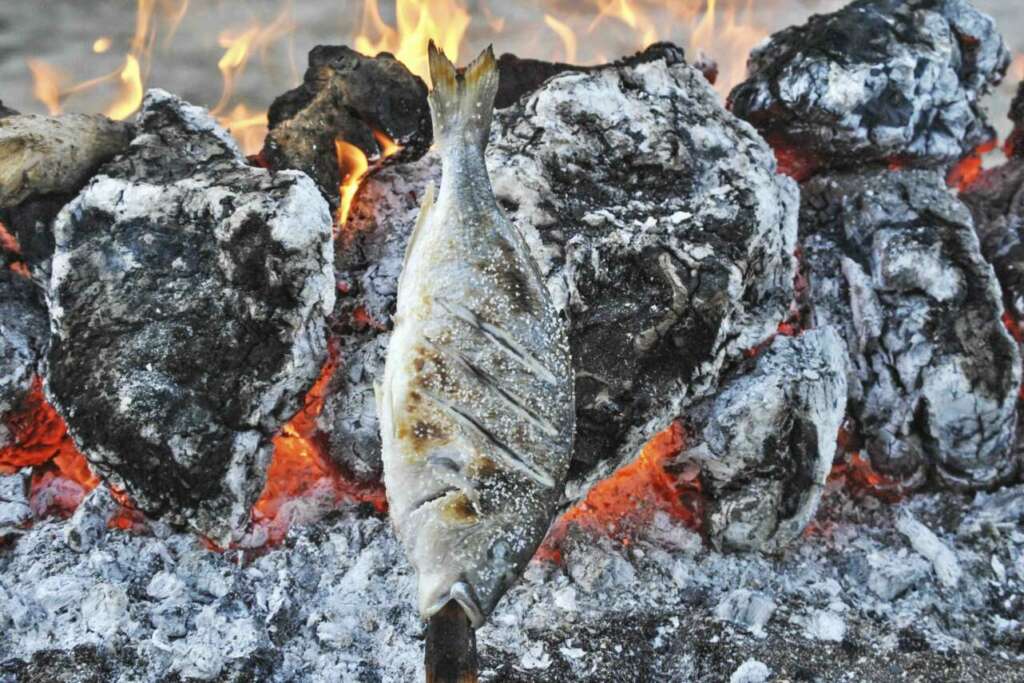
{"x":450,"y":655}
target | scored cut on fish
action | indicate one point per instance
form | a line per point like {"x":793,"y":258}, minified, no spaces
{"x":476,"y":404}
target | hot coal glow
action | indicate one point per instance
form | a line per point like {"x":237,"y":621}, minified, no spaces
{"x":301,"y":475}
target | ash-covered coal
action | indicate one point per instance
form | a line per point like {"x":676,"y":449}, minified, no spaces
{"x":1015,"y":143}
{"x":877,"y":80}
{"x":346,"y":96}
{"x":24,"y":335}
{"x":856,"y":600}
{"x":996,"y":200}
{"x":765,"y":442}
{"x":657,"y":221}
{"x":15,"y":510}
{"x":187,"y":304}
{"x":892,"y":260}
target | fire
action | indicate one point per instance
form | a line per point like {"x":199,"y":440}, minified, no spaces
{"x":729,"y":41}
{"x":968,"y":169}
{"x":416,"y":23}
{"x":631,"y":496}
{"x":861,"y":479}
{"x":566,"y":35}
{"x":302,"y":472}
{"x":101,"y":45}
{"x":354,"y":167}
{"x":8,"y":242}
{"x":249,"y":127}
{"x":61,"y":476}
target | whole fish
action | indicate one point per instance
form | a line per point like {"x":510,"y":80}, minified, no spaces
{"x":476,"y":404}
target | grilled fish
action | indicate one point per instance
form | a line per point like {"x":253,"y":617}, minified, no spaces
{"x":476,"y":404}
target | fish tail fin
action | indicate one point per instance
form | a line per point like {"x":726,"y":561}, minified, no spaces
{"x":451,"y":647}
{"x":461,"y":101}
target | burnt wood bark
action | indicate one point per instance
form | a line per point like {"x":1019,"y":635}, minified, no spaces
{"x":187,"y":305}
{"x":893,"y":262}
{"x":878,"y":80}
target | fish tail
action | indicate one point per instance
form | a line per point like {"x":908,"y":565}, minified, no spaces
{"x":451,"y":647}
{"x":461,"y":101}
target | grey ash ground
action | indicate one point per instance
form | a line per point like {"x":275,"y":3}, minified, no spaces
{"x":929,"y":589}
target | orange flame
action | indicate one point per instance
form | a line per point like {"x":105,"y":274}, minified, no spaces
{"x":631,"y":496}
{"x":101,"y":45}
{"x":416,"y":23}
{"x":62,"y":476}
{"x":354,"y":167}
{"x":301,"y":468}
{"x":967,"y":170}
{"x":566,"y":35}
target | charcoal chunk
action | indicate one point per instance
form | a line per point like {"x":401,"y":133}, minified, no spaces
{"x":1015,"y":142}
{"x":187,"y":303}
{"x":893,"y":262}
{"x":877,"y":80}
{"x":765,"y":442}
{"x":345,"y":95}
{"x":656,"y":220}
{"x":6,"y":111}
{"x":24,"y":334}
{"x":996,"y":200}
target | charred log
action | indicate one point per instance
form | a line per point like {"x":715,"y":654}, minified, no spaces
{"x":43,"y":155}
{"x":187,"y":306}
{"x":346,"y":96}
{"x":657,"y":221}
{"x":765,"y":442}
{"x":878,"y":80}
{"x":996,"y":201}
{"x":24,"y":334}
{"x":894,"y":263}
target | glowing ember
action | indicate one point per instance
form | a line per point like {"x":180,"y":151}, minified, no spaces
{"x":860,"y":479}
{"x":968,"y":169}
{"x":629,"y":498}
{"x":8,"y":242}
{"x":301,"y":476}
{"x":792,"y":161}
{"x":62,"y":476}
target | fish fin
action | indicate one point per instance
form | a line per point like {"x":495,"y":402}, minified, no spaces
{"x":461,"y":102}
{"x":450,"y":655}
{"x":425,"y":207}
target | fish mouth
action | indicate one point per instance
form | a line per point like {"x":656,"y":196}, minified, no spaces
{"x":462,"y":593}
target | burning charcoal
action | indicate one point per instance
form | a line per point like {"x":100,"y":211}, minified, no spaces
{"x":657,"y":220}
{"x":31,"y":223}
{"x":24,"y":332}
{"x":877,"y":80}
{"x":996,"y":200}
{"x":187,"y":304}
{"x":893,"y":261}
{"x":54,"y":154}
{"x":347,"y":96}
{"x":765,"y":442}
{"x":520,"y":77}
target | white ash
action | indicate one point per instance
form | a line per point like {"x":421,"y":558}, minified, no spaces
{"x":656,"y":219}
{"x":15,"y":512}
{"x":336,"y":603}
{"x":927,"y":544}
{"x":877,"y":80}
{"x":765,"y":442}
{"x":751,"y":671}
{"x":24,"y":334}
{"x":188,"y":297}
{"x":893,"y":261}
